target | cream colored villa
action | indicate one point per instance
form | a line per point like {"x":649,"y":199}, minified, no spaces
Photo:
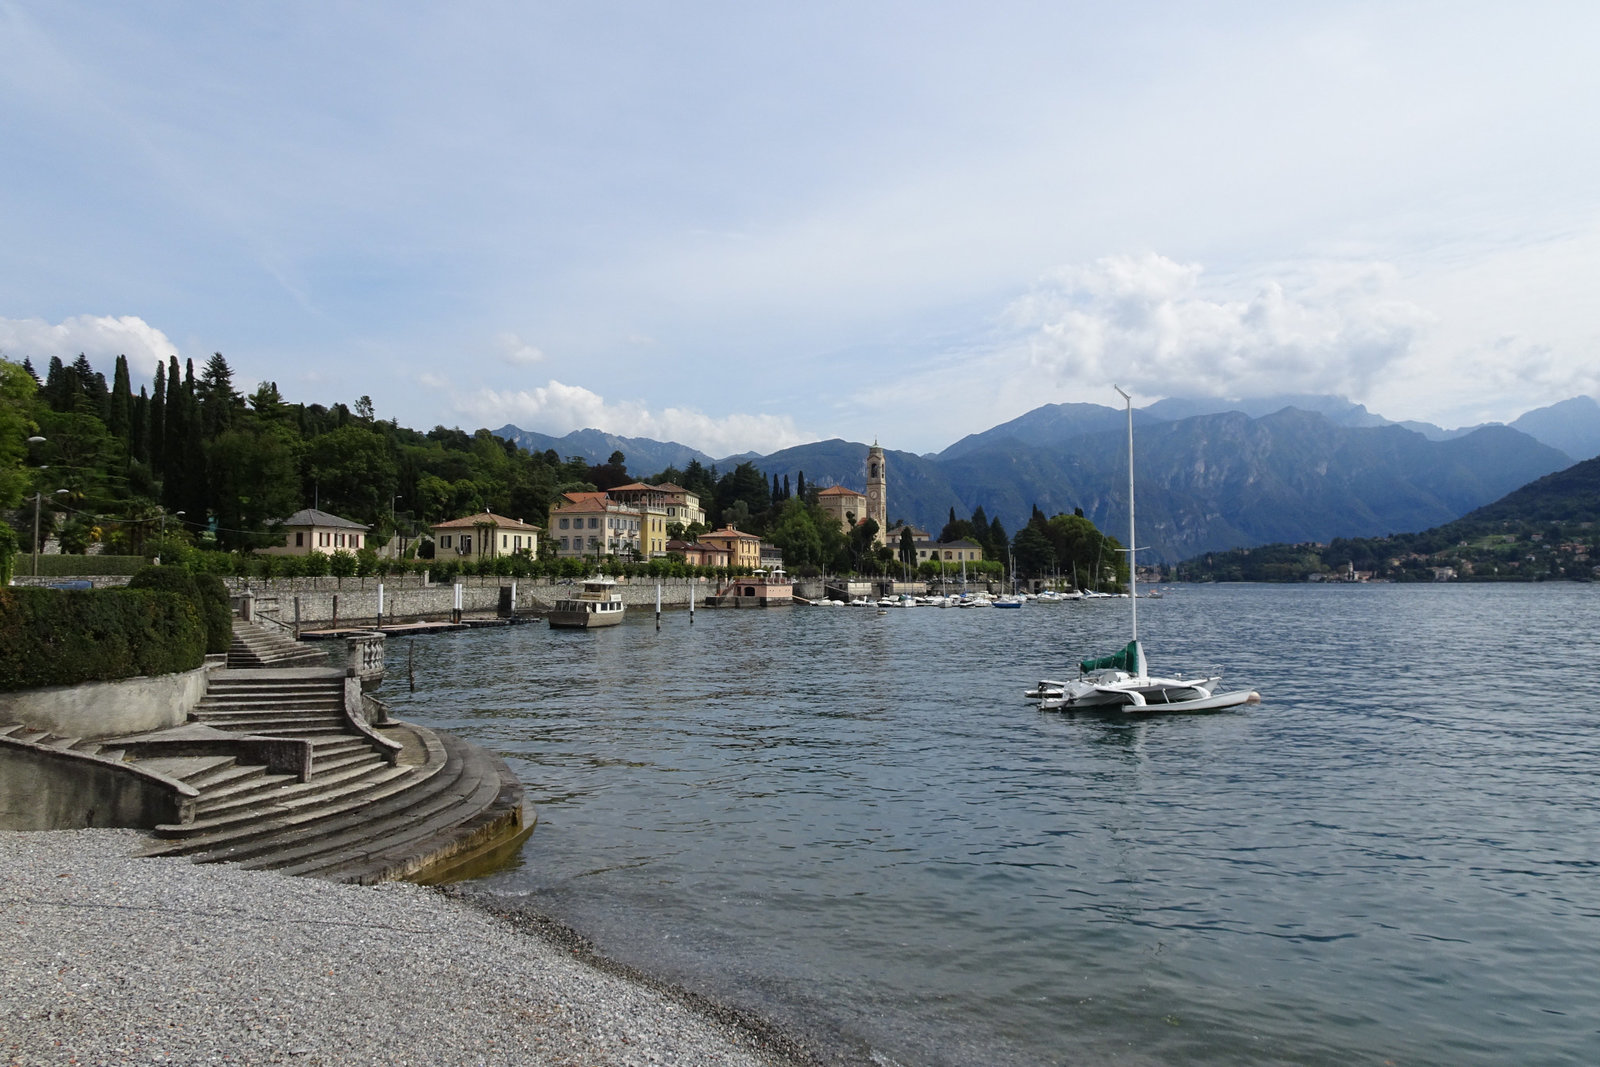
{"x":484,"y":536}
{"x":310,"y":530}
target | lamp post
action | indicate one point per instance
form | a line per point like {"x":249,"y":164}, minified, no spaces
{"x":164,"y":530}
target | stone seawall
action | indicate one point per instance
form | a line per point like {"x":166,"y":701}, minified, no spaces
{"x":356,"y":600}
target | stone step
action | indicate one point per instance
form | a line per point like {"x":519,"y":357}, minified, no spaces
{"x":351,"y":838}
{"x":201,"y":713}
{"x":275,"y":728}
{"x":225,"y":777}
{"x":426,"y":828}
{"x":324,"y":691}
{"x":233,"y":796}
{"x":290,"y":794}
{"x":241,"y":836}
{"x":426,"y":821}
{"x":185,"y":767}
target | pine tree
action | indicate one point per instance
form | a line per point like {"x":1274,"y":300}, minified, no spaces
{"x":218,"y":401}
{"x":27,"y":365}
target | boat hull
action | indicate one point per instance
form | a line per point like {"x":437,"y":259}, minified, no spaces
{"x":583,"y":620}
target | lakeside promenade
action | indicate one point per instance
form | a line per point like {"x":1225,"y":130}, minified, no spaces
{"x":109,"y":958}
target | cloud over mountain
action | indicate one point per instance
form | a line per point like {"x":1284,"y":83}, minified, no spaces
{"x":557,"y":408}
{"x":1152,"y":324}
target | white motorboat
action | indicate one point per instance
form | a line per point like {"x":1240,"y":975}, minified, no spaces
{"x":1123,"y":679}
{"x":598,"y":605}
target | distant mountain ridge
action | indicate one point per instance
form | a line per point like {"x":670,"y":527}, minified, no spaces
{"x":1210,"y":476}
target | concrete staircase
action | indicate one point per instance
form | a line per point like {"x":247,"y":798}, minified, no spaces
{"x":255,"y":645}
{"x":372,"y":809}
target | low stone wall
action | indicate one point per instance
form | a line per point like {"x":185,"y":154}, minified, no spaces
{"x":354,"y":602}
{"x":107,"y":709}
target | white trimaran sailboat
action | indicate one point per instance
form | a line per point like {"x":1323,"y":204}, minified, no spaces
{"x":1123,"y":679}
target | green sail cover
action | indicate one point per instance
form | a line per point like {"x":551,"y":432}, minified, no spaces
{"x":1125,"y":660}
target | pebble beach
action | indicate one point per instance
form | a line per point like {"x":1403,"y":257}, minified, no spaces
{"x":106,"y":958}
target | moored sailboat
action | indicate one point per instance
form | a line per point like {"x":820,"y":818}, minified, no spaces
{"x":1123,"y":678}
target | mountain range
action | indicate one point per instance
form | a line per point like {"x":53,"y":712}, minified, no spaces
{"x":1211,"y":474}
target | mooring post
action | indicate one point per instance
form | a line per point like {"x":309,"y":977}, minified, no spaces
{"x":336,"y":611}
{"x":658,"y":605}
{"x":380,"y":604}
{"x":297,"y":616}
{"x":411,"y":663}
{"x":691,"y":601}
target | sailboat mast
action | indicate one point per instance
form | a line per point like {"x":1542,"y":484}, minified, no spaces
{"x":1133,"y":568}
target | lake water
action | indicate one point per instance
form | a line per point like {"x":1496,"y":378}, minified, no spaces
{"x":854,"y":825}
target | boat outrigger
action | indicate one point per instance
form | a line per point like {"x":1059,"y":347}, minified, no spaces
{"x":1123,"y":679}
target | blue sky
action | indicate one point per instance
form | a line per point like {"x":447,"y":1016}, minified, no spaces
{"x":745,"y":226}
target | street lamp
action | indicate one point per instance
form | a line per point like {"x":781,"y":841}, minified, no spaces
{"x":164,"y":530}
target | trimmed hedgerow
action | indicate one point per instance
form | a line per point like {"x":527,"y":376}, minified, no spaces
{"x":208,"y":592}
{"x":56,"y":637}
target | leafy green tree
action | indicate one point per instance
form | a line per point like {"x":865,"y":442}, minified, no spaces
{"x":796,"y":535}
{"x":17,"y":399}
{"x":255,"y":477}
{"x":350,"y":471}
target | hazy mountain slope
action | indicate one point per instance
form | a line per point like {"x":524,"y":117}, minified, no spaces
{"x":1572,"y":426}
{"x":645,"y":457}
{"x":1047,"y":426}
{"x":1571,"y":495}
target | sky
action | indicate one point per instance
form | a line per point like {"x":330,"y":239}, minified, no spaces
{"x":748,"y":226}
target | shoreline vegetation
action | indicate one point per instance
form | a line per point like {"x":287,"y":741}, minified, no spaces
{"x":106,"y":957}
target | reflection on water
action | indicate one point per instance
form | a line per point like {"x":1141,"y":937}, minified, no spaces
{"x":853,"y":823}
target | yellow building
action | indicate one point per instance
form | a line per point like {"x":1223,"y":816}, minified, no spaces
{"x":744,"y":549}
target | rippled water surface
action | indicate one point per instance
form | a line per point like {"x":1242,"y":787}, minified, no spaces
{"x":853,"y":824}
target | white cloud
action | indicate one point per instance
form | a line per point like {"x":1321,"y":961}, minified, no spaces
{"x":515,"y":351}
{"x":1144,"y":322}
{"x":102,"y":338}
{"x":557,"y":408}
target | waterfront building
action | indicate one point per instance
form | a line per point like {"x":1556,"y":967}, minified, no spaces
{"x":484,"y":536}
{"x":656,"y":510}
{"x":699,"y":554}
{"x":592,"y":524}
{"x":309,"y":530}
{"x":683,"y":505}
{"x":744,"y":549}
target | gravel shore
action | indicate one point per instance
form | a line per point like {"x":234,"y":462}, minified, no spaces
{"x":107,"y":958}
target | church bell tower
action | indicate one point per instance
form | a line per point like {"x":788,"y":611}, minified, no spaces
{"x":877,"y":490}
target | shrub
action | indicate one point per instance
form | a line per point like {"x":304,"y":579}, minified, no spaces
{"x":8,"y":552}
{"x":50,"y":637}
{"x":342,"y":563}
{"x":206,"y":591}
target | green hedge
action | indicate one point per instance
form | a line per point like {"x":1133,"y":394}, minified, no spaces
{"x":69,"y":566}
{"x":51,"y":637}
{"x":208,"y":593}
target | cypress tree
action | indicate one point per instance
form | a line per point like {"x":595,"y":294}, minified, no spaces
{"x":139,"y":427}
{"x":119,"y":418}
{"x":193,"y":494}
{"x":156,"y":423}
{"x":175,"y":468}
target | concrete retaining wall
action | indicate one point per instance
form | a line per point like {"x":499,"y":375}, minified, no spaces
{"x":68,"y":791}
{"x":107,"y":709}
